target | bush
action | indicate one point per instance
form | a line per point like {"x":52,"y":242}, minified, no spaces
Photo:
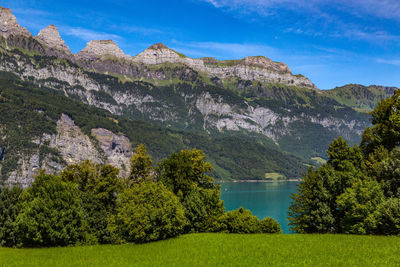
{"x":51,"y":214}
{"x":9,"y":209}
{"x":147,"y":211}
{"x":270,"y":226}
{"x":238,"y":221}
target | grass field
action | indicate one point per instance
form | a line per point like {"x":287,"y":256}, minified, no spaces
{"x":221,"y":250}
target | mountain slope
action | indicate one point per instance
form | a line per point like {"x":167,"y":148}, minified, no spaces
{"x":251,"y":116}
{"x":41,"y":128}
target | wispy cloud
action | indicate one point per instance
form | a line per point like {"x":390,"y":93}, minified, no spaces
{"x":88,"y":35}
{"x":223,"y":50}
{"x":379,"y":8}
{"x":395,"y":62}
{"x":139,"y":30}
{"x":321,"y":17}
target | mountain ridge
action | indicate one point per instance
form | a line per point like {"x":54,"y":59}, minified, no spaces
{"x":246,"y":124}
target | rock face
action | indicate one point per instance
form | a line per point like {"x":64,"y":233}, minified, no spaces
{"x":9,"y":25}
{"x":117,"y":149}
{"x":101,"y":48}
{"x":51,"y":38}
{"x":249,"y":68}
{"x":73,"y":145}
{"x":97,"y":54}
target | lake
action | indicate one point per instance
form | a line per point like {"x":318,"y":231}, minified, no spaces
{"x":264,"y":199}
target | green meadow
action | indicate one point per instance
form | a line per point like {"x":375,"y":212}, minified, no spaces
{"x":221,"y":250}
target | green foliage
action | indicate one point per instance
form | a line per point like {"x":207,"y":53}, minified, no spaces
{"x":9,"y":210}
{"x":242,"y":221}
{"x":147,"y":211}
{"x":186,"y":174}
{"x":386,"y":125}
{"x":386,"y":218}
{"x":238,"y":221}
{"x":202,"y":207}
{"x":184,"y":168}
{"x":270,"y":226}
{"x":99,"y":186}
{"x":357,"y":190}
{"x":51,"y":214}
{"x":358,"y":203}
{"x":141,"y":166}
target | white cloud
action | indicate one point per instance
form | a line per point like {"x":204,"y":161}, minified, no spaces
{"x":88,"y":35}
{"x":395,"y":62}
{"x":380,"y":8}
{"x":223,"y":50}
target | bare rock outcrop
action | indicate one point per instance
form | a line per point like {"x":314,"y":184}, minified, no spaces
{"x":101,"y":48}
{"x":250,"y":68}
{"x":52,"y":39}
{"x":117,"y":149}
{"x":9,"y":25}
{"x":72,"y":143}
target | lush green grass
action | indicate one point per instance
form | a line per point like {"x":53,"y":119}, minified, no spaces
{"x":221,"y":250}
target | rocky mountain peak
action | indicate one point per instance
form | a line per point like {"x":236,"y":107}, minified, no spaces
{"x":9,"y":25}
{"x":158,"y":46}
{"x":158,"y":54}
{"x":265,"y":62}
{"x":51,"y":37}
{"x":102,"y":48}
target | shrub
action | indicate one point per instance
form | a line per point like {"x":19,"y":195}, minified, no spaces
{"x":147,"y":211}
{"x":9,"y":209}
{"x":238,"y":221}
{"x":270,"y":226}
{"x":51,"y":214}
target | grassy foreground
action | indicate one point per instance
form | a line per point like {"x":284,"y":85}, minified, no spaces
{"x":221,"y":250}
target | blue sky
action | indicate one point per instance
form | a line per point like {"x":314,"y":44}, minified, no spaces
{"x":333,"y":42}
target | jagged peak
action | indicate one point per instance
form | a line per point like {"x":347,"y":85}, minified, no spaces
{"x":102,"y":48}
{"x":158,"y":46}
{"x":9,"y":24}
{"x":51,"y":37}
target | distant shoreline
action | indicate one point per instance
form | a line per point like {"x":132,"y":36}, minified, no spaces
{"x":258,"y":181}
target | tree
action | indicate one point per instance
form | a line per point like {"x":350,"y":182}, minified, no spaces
{"x":186,"y":173}
{"x":386,"y":218}
{"x":386,"y":126}
{"x":358,"y":203}
{"x":9,"y":210}
{"x":147,"y":211}
{"x":141,"y":166}
{"x":185,"y":168}
{"x":98,"y":187}
{"x":51,"y":214}
{"x":202,"y":208}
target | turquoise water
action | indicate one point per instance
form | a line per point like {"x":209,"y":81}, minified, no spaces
{"x":264,"y":199}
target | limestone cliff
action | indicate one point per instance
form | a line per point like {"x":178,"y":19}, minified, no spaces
{"x":73,"y":146}
{"x":250,"y":68}
{"x":51,"y":38}
{"x":9,"y":25}
{"x":103,"y":49}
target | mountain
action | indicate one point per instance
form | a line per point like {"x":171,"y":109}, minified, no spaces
{"x":253,"y":117}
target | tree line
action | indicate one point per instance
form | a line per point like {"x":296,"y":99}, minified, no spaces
{"x":89,"y":203}
{"x":358,"y":190}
